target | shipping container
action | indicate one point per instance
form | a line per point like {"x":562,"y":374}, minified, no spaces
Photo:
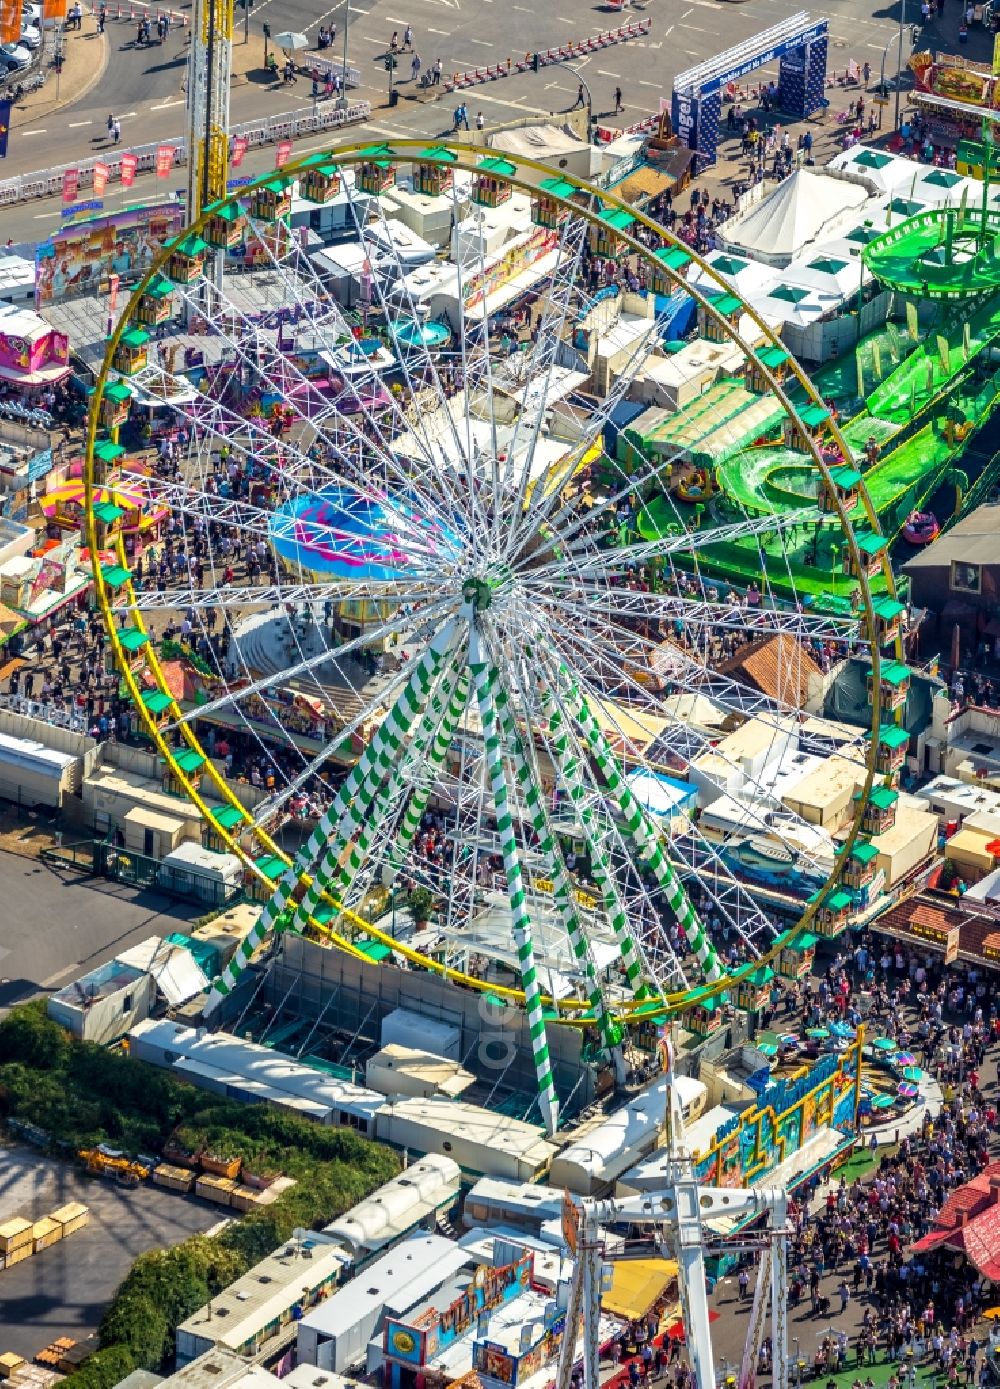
{"x":218,"y":1189}
{"x":173,"y":1178}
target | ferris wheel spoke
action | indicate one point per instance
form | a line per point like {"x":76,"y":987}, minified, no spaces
{"x":233,"y":596}
{"x":622,"y":603}
{"x":604,"y":845}
{"x":354,"y":435}
{"x":484,"y":681}
{"x":529,"y":780}
{"x":310,"y":663}
{"x":347,"y":836}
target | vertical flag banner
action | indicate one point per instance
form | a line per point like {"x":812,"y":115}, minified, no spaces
{"x":71,"y":181}
{"x":4,"y":127}
{"x":240,"y":144}
{"x":54,"y":10}
{"x":10,"y":21}
{"x":283,"y":153}
{"x":164,"y":160}
{"x":101,"y":172}
{"x":130,"y":162}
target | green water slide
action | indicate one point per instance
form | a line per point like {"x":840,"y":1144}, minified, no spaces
{"x":943,"y":253}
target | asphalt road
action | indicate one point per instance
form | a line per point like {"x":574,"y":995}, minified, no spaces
{"x":64,"y":1290}
{"x":56,"y":925}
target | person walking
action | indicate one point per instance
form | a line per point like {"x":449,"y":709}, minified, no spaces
{"x":580,"y":98}
{"x":436,"y":73}
{"x":415,"y":67}
{"x":408,"y":37}
{"x":102,"y":15}
{"x":116,"y":130}
{"x":480,"y":121}
{"x":618,"y":100}
{"x":111,"y":125}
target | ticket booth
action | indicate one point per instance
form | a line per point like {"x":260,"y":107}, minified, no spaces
{"x":859,"y":870}
{"x":491,"y":185}
{"x":434,"y":173}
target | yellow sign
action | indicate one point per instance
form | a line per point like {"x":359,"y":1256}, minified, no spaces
{"x":951,"y":946}
{"x":996,"y":55}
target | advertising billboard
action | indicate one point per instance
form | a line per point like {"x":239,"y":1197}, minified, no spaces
{"x":82,"y":257}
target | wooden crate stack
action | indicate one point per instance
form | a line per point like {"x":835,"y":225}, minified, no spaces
{"x":16,"y":1241}
{"x":45,"y":1232}
{"x":173,"y":1178}
{"x":52,"y":1355}
{"x":10,"y":1363}
{"x":36,"y":1377}
{"x":72,"y":1217}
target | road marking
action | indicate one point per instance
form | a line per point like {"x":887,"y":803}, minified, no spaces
{"x":445,"y":33}
{"x":38,"y":217}
{"x":602,"y":73}
{"x":34,"y":132}
{"x":367,"y":38}
{"x":75,"y":125}
{"x":483,"y":43}
{"x":641,"y":82}
{"x":125,"y":116}
{"x":164,"y":104}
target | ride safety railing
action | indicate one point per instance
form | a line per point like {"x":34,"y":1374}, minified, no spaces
{"x":287,"y":125}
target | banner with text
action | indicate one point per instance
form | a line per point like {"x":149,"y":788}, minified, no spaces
{"x":283,"y":154}
{"x":240,"y":147}
{"x":101,"y":173}
{"x":71,"y":182}
{"x":164,"y":160}
{"x":130,"y":162}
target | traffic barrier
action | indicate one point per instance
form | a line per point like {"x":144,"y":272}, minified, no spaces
{"x":475,"y":76}
{"x":286,"y":125}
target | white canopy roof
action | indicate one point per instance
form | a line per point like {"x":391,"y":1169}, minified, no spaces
{"x":801,"y":208}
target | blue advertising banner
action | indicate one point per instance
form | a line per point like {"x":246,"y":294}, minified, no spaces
{"x":4,"y":127}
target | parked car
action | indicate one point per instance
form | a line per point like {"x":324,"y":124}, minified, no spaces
{"x":30,"y":37}
{"x":14,"y":56}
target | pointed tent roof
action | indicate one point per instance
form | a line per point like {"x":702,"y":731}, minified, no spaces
{"x":801,"y":208}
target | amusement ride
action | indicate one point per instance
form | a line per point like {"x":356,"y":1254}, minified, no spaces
{"x":442,"y":536}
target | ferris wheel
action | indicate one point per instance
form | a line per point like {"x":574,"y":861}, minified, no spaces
{"x":467,"y":630}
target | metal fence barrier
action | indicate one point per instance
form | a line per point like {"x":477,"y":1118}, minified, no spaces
{"x":288,"y":125}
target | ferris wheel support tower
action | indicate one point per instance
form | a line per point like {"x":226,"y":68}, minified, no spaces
{"x":209,"y":70}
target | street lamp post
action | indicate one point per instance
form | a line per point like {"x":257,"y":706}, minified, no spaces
{"x":342,"y":99}
{"x":899,"y":57}
{"x":590,"y":100}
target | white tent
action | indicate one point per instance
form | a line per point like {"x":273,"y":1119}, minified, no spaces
{"x":798,"y":211}
{"x":831,"y":270}
{"x":885,"y":172}
{"x":747,"y":277}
